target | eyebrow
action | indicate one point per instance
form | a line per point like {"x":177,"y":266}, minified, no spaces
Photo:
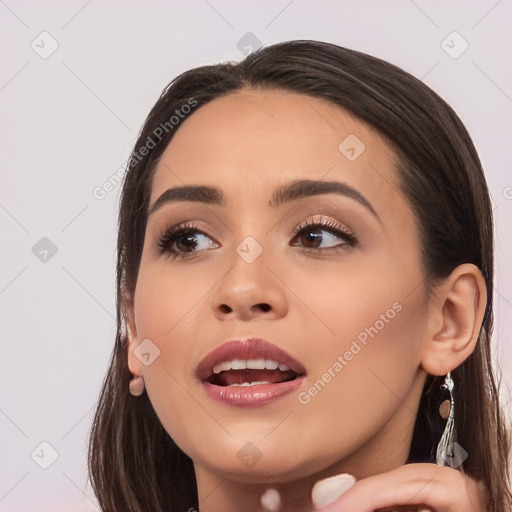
{"x":292,"y":191}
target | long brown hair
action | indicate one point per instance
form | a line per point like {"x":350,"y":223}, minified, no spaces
{"x":134,"y":464}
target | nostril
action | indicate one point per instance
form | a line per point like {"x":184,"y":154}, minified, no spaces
{"x":263,"y":307}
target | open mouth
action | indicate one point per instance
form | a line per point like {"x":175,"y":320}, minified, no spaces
{"x":249,"y":373}
{"x":252,"y":372}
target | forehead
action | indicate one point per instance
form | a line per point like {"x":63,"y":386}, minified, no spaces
{"x":248,"y":142}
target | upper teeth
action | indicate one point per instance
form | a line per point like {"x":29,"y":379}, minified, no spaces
{"x":250,"y":364}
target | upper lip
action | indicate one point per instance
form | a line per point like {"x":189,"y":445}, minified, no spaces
{"x":249,"y":348}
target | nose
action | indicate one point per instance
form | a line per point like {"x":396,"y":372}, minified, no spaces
{"x":248,"y":291}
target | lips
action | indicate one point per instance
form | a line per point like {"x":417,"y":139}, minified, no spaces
{"x":249,"y":372}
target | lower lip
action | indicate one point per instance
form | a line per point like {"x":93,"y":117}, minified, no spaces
{"x":251,"y":396}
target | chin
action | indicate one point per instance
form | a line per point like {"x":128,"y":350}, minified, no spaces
{"x":247,"y":463}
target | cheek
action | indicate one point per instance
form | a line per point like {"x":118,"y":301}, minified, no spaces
{"x":374,"y":320}
{"x":163,"y":300}
{"x":170,"y":308}
{"x":363,"y":376}
{"x":372,"y":300}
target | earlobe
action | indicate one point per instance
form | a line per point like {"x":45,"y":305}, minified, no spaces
{"x":455,"y":319}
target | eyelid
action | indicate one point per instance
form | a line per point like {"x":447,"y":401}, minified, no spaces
{"x":322,"y":220}
{"x":187,"y":225}
{"x":327,"y":222}
{"x":167,"y":235}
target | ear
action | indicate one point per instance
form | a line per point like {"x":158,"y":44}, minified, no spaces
{"x":454,"y":320}
{"x":134,"y":364}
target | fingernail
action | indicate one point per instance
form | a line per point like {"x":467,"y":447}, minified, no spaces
{"x":270,"y":500}
{"x":330,"y":489}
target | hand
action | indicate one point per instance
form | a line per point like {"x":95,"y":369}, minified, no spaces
{"x":413,"y":487}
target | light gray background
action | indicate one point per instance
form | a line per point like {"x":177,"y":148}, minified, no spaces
{"x":68,"y":123}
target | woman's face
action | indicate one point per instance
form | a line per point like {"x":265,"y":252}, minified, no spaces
{"x":344,"y":302}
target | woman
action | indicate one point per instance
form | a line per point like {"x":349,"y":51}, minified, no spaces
{"x":304,"y":289}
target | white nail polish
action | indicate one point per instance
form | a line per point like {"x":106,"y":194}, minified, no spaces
{"x":330,"y":489}
{"x":271,"y":500}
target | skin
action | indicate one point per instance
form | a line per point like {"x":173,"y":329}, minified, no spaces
{"x":318,"y":301}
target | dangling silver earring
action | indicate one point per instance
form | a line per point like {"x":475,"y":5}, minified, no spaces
{"x":137,"y":386}
{"x":449,"y":414}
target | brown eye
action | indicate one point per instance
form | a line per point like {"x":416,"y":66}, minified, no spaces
{"x":183,"y":241}
{"x":323,"y":236}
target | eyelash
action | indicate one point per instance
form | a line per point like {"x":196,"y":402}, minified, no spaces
{"x":339,"y":230}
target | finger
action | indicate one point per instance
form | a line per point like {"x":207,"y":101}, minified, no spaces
{"x":415,"y":486}
{"x":330,"y":489}
{"x":271,"y":500}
